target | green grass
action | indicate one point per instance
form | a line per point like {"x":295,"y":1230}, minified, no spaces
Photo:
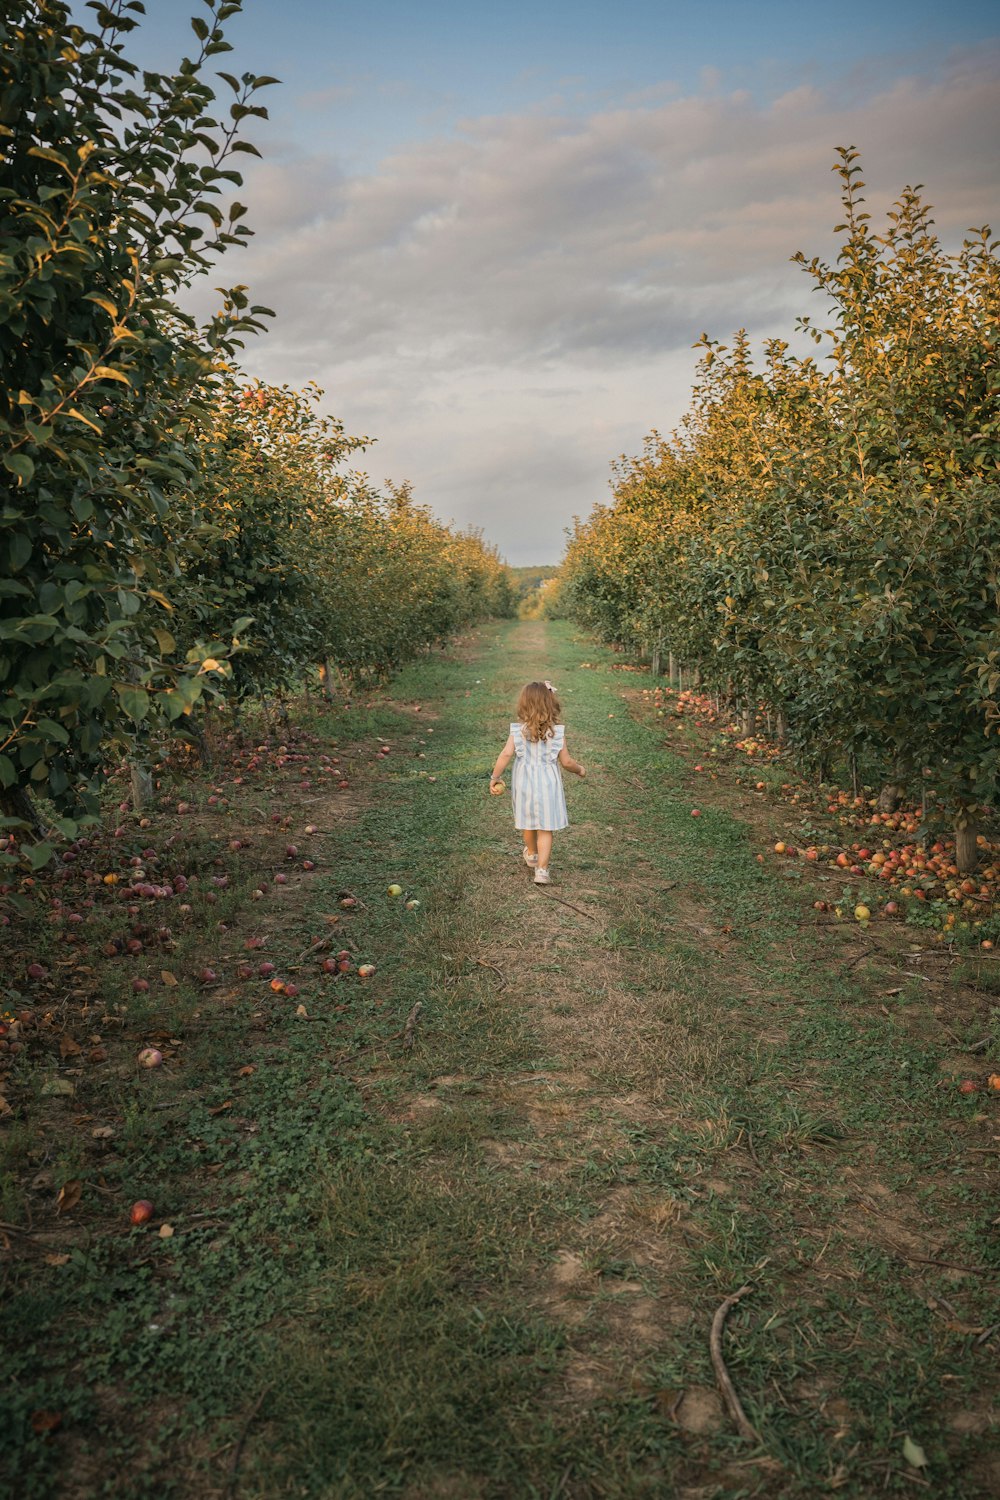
{"x":358,"y":1298}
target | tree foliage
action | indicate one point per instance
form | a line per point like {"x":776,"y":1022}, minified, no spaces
{"x":819,"y":534}
{"x":168,"y":530}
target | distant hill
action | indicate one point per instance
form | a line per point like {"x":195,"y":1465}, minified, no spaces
{"x":528,"y":579}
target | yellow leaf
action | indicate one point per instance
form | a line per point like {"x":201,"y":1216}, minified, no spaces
{"x":104,"y":303}
{"x":107,"y":372}
{"x":160,"y":598}
{"x":73,"y":412}
{"x":210,"y":665}
{"x":168,"y":978}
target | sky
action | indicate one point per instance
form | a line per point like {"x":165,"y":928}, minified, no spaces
{"x":493,"y":237}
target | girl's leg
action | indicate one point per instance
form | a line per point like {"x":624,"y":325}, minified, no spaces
{"x":528,"y":834}
{"x":544,"y":847}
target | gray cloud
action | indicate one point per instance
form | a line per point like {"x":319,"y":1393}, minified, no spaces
{"x":508,"y":308}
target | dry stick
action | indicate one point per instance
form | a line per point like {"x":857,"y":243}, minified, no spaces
{"x":948,"y":1265}
{"x":16,"y":1229}
{"x":234,"y":1462}
{"x":587,"y":914}
{"x":483,"y":964}
{"x":411,"y":1025}
{"x":730,"y":1397}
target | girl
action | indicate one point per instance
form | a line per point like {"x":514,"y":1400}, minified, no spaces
{"x":538,"y":744}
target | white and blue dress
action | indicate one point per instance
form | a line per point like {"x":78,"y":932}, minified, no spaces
{"x":536,"y":786}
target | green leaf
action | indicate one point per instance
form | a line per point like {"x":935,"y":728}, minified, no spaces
{"x":39,"y":854}
{"x":135,"y":702}
{"x":20,"y":465}
{"x":18,"y":550}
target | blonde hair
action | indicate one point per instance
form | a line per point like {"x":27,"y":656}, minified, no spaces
{"x":538,"y":709}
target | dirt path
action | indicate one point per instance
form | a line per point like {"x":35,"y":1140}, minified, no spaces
{"x":460,"y":1230}
{"x":689,"y":1096}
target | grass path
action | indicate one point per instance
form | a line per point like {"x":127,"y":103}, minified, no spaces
{"x":487,"y":1265}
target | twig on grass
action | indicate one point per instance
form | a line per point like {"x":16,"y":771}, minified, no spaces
{"x":16,"y":1229}
{"x":947,"y":1265}
{"x":234,"y":1462}
{"x":409,"y":1030}
{"x":553,"y":897}
{"x":483,"y":964}
{"x":729,"y":1395}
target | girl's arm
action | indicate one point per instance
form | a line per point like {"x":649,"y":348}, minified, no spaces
{"x":503,"y":760}
{"x":565,"y":759}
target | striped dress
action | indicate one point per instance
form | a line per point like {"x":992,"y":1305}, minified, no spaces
{"x":536,"y":784}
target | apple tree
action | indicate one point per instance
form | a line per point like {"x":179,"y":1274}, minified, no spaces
{"x":109,"y":205}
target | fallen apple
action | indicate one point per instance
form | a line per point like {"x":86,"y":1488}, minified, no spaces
{"x":150,"y":1057}
{"x":365,"y":971}
{"x":141,"y":1211}
{"x":395,"y":890}
{"x":968,"y":1086}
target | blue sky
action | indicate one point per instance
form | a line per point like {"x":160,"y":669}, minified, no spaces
{"x":493,"y":236}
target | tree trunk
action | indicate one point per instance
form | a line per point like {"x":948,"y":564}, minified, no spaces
{"x":749,"y":719}
{"x":326,"y":678}
{"x":16,"y":802}
{"x":141,"y":779}
{"x":654,"y":665}
{"x":670,"y":668}
{"x":781,"y":725}
{"x":966,"y":848}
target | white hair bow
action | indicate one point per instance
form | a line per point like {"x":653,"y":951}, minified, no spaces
{"x":550,"y":686}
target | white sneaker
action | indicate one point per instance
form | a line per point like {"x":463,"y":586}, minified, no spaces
{"x":541,"y":876}
{"x":530,"y":859}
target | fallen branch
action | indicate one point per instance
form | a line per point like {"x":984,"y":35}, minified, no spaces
{"x":947,"y":1265}
{"x":483,"y":964}
{"x":729,"y":1395}
{"x":589,"y":915}
{"x":409,"y":1030}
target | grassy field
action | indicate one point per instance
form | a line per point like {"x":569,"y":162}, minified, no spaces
{"x":461,"y":1229}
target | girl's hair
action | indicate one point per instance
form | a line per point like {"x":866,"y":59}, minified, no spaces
{"x":538,"y":709}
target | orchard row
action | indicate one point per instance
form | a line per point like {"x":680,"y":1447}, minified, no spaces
{"x":817,"y":541}
{"x":172,"y":534}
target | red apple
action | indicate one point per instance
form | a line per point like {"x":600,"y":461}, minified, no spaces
{"x":141,"y":1211}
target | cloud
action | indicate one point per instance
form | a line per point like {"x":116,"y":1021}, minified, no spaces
{"x":509,"y":307}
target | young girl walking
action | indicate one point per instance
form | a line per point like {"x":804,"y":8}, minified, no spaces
{"x":537,"y":745}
